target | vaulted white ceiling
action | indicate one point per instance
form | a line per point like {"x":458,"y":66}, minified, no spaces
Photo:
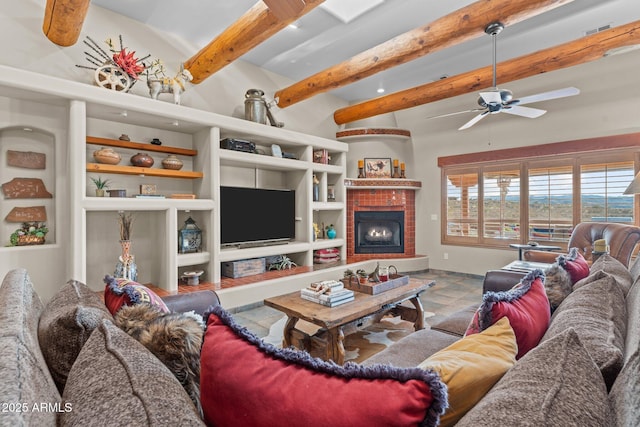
{"x":322,"y":38}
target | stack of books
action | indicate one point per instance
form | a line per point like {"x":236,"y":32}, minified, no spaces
{"x":330,"y":293}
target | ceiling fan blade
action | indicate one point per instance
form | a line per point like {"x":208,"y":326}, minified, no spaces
{"x":473,"y":121}
{"x":529,"y":112}
{"x":491,"y":97}
{"x":545,"y":96}
{"x":475,"y":110}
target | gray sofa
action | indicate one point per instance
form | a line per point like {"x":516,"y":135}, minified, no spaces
{"x":65,"y":363}
{"x":584,"y":372}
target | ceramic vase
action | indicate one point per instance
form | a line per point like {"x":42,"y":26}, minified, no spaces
{"x":331,"y":233}
{"x":172,"y":162}
{"x":106,"y":156}
{"x":142,"y":160}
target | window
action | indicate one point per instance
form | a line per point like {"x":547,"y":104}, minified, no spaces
{"x":601,"y":196}
{"x":462,"y":204}
{"x":550,"y":203}
{"x":501,"y":204}
{"x":501,"y":198}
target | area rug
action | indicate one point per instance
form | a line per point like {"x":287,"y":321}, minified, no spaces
{"x":360,"y":345}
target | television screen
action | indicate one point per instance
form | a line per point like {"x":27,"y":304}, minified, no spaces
{"x":254,"y":214}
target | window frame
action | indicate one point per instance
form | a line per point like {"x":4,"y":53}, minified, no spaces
{"x":595,"y":151}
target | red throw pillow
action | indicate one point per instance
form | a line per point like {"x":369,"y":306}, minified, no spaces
{"x":244,"y":381}
{"x":120,"y":291}
{"x":575,"y":264}
{"x":527,"y":307}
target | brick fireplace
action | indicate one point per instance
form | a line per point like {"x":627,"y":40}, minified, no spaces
{"x":381,"y":218}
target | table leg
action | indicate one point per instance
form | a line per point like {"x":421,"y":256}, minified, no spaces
{"x":419,"y":323}
{"x":335,"y":345}
{"x":288,"y":327}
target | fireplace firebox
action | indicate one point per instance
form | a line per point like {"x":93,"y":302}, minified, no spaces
{"x":379,"y":232}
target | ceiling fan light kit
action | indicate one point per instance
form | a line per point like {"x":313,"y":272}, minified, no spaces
{"x":494,"y":100}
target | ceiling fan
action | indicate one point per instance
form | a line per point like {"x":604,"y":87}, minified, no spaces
{"x":496,"y":100}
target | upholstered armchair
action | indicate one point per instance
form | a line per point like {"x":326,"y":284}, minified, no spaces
{"x":621,"y":239}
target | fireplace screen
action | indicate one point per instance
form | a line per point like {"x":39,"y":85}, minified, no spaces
{"x":379,"y":232}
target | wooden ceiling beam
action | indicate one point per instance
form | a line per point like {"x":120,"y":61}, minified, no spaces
{"x":254,"y":27}
{"x":63,"y":20}
{"x":585,"y":49}
{"x":285,"y":9}
{"x":457,"y":27}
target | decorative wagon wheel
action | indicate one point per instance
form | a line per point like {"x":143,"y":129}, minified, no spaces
{"x":112,"y":77}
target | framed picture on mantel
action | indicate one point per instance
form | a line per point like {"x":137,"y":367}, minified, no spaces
{"x":379,"y":167}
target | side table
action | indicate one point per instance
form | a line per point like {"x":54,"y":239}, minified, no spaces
{"x":520,"y":248}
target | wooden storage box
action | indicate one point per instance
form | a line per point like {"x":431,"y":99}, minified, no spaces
{"x":243,"y":267}
{"x":372,"y":288}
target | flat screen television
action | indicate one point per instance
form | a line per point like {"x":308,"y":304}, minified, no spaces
{"x":255,"y":215}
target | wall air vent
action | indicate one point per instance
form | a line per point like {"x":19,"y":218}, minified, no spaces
{"x":597,"y":30}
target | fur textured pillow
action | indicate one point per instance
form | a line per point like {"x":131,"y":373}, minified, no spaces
{"x":557,"y":285}
{"x":527,"y":307}
{"x":246,"y":382}
{"x":174,"y":338}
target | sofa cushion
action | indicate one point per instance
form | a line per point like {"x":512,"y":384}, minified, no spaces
{"x":120,"y":291}
{"x":25,"y":380}
{"x":624,"y":397}
{"x":457,"y":322}
{"x":555,"y":384}
{"x":632,"y":341}
{"x":117,"y":381}
{"x":612,"y":267}
{"x":597,"y":313}
{"x":412,"y":349}
{"x":575,"y":264}
{"x":472,"y":365}
{"x":245,"y":381}
{"x":66,"y":323}
{"x":527,"y":307}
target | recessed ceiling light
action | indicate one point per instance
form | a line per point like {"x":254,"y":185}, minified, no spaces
{"x":294,"y":25}
{"x":347,"y":11}
{"x":380,"y":90}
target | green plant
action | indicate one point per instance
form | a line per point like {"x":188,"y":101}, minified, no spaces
{"x":36,"y":229}
{"x":100,"y":183}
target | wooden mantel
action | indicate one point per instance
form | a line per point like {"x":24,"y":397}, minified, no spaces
{"x":382,"y":183}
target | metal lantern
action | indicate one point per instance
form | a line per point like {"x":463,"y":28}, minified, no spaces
{"x":189,"y":237}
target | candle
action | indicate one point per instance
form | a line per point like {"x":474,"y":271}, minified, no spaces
{"x":360,"y":163}
{"x":402,"y":166}
{"x":395,"y":163}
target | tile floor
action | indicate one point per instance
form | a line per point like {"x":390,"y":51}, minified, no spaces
{"x":451,"y":292}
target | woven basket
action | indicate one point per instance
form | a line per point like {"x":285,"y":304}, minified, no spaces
{"x":29,"y":239}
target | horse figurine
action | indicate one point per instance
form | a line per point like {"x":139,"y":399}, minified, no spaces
{"x":175,"y":85}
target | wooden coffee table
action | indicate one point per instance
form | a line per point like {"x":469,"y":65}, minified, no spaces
{"x":337,"y":322}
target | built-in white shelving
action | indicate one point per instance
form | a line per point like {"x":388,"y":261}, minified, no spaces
{"x":97,"y":117}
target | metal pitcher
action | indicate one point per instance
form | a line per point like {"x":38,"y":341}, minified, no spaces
{"x":256,"y":108}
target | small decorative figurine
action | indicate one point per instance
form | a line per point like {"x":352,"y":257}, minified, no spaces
{"x":174,"y":85}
